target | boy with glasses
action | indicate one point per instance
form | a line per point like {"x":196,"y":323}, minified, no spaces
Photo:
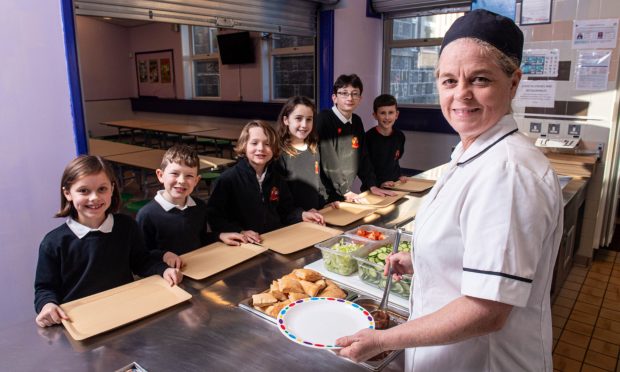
{"x":342,"y":143}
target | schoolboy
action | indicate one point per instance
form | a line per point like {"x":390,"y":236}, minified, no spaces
{"x":386,"y":144}
{"x":342,"y":143}
{"x":174,"y":223}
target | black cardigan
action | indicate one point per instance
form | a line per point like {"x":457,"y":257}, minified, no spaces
{"x":237,"y":203}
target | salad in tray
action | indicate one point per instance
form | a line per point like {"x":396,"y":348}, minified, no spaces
{"x":371,"y":269}
{"x":337,"y":255}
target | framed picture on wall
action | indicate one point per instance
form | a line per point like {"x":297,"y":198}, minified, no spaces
{"x":155,"y":73}
{"x":535,"y":12}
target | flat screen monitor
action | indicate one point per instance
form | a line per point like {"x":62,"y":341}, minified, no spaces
{"x":236,"y":48}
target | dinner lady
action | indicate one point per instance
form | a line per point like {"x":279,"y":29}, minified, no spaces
{"x":487,"y":235}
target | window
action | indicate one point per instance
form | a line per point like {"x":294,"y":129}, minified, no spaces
{"x":205,"y":62}
{"x":412,"y":50}
{"x":292,"y":66}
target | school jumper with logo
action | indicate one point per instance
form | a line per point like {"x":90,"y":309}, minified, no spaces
{"x":343,"y":154}
{"x":239,"y":203}
{"x":176,"y":230}
{"x":384,"y":153}
{"x":302,"y":174}
{"x":70,"y":267}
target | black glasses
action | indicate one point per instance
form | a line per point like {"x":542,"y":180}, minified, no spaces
{"x":354,"y":95}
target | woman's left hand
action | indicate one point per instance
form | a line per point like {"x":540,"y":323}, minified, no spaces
{"x":313,"y":216}
{"x":361,"y":346}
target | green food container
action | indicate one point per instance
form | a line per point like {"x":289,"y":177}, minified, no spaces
{"x":339,"y":253}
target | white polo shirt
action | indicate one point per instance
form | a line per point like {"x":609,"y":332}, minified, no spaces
{"x":490,"y":228}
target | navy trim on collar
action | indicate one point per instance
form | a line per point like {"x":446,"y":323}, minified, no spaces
{"x":487,"y":148}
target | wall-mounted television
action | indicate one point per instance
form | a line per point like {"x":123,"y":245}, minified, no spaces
{"x":236,"y":48}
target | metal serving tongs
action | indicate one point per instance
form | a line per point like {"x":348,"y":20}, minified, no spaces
{"x":381,"y":315}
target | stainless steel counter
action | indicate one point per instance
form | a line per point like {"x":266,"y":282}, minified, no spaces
{"x":208,"y":333}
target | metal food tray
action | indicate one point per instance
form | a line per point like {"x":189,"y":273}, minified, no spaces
{"x":397,"y":316}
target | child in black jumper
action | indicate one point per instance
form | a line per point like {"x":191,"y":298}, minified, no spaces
{"x":386,"y":144}
{"x":299,"y":161}
{"x":94,"y":250}
{"x":174,"y":223}
{"x":342,"y":143}
{"x":251,"y":197}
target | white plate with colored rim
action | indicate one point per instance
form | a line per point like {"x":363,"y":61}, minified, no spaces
{"x":319,"y":321}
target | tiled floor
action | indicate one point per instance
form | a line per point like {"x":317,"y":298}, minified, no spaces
{"x":586,"y":317}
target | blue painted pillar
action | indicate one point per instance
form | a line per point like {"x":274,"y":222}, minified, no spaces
{"x":77,"y":110}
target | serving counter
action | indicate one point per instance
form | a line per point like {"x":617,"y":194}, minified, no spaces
{"x":209,"y":332}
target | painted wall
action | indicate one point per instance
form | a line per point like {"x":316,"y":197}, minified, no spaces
{"x":362,"y":56}
{"x":37,"y":142}
{"x":105,"y":63}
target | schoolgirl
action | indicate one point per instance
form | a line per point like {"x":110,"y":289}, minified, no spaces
{"x":94,"y":250}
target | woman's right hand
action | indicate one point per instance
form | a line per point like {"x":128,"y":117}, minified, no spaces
{"x":401,"y":264}
{"x":50,"y":314}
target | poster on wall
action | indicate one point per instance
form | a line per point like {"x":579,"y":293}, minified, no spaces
{"x":540,"y":62}
{"x":164,"y":69}
{"x":507,"y":8}
{"x":155,"y":73}
{"x":535,"y":12}
{"x":536,"y":93}
{"x":595,"y":34}
{"x":593,"y":69}
{"x":143,"y":75}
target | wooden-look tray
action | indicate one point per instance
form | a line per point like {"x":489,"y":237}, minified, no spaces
{"x":217,"y":257}
{"x":381,"y":201}
{"x":346,"y":214}
{"x":104,"y":311}
{"x":414,"y":185}
{"x":296,"y":237}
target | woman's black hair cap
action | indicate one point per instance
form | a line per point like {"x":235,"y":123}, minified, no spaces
{"x":495,"y":29}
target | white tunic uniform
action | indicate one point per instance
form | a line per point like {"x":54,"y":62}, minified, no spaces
{"x":490,"y":228}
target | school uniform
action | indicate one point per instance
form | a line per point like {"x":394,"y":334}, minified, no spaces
{"x":384,"y":153}
{"x":168,"y":227}
{"x":490,"y":228}
{"x":343,"y":153}
{"x":76,"y":261}
{"x":303,"y":178}
{"x":239,"y":202}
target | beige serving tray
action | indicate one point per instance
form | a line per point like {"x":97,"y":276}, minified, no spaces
{"x":381,"y":201}
{"x":296,"y":237}
{"x":414,"y":185}
{"x":104,"y":311}
{"x":217,"y":257}
{"x":346,"y":214}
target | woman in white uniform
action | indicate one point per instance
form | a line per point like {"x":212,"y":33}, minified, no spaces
{"x":487,"y":234}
